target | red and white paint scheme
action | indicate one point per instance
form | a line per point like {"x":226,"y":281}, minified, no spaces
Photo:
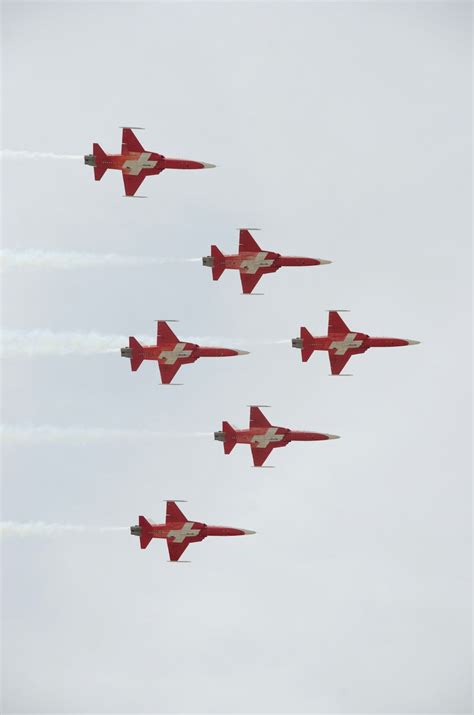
{"x":170,"y":352}
{"x":341,"y":343}
{"x":135,"y":162}
{"x":263,"y":436}
{"x":179,"y":531}
{"x":252,"y":261}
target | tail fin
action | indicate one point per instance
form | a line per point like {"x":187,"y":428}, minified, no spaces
{"x":306,"y":350}
{"x":146,"y":535}
{"x":218,"y":267}
{"x":230,"y":437}
{"x":100,"y":161}
{"x":137,"y":354}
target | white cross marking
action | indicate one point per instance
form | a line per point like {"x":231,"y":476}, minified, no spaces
{"x":179,"y":535}
{"x":263,"y":440}
{"x":134,"y":166}
{"x":342,"y":346}
{"x":252,"y":265}
{"x":169,"y":357}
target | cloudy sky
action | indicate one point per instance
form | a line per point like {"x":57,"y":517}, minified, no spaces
{"x":343,"y":132}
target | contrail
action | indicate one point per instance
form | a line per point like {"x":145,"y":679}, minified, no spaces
{"x":37,"y":343}
{"x":57,"y":260}
{"x":40,"y":528}
{"x":44,"y":343}
{"x":25,"y":154}
{"x":19,"y":435}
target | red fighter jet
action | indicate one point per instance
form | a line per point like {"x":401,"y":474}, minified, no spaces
{"x":179,"y":531}
{"x":252,"y":261}
{"x":263,"y":436}
{"x":135,"y":162}
{"x":170,"y":352}
{"x":341,"y":343}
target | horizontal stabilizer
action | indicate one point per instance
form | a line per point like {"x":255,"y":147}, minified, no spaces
{"x":100,"y":161}
{"x":218,"y":266}
{"x":145,"y":540}
{"x":307,"y":350}
{"x":137,"y":354}
{"x":230,"y":437}
{"x":146,"y":533}
{"x":99,"y":171}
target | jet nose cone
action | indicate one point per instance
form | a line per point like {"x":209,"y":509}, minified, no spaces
{"x":247,"y":531}
{"x":207,"y":166}
{"x":333,"y":436}
{"x":242,"y":352}
{"x":413,"y":342}
{"x":322,"y":262}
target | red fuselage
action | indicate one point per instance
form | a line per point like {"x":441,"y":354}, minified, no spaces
{"x":353,"y":343}
{"x":190,"y":531}
{"x":275,"y":436}
{"x":147,"y":163}
{"x":262,"y":262}
{"x":171,"y":353}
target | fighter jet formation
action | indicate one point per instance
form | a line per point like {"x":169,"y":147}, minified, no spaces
{"x":171,"y":353}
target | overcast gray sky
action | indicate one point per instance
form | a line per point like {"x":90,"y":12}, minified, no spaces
{"x":343,"y":130}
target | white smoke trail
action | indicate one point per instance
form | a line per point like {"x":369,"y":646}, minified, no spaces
{"x":43,"y":343}
{"x":40,"y":528}
{"x":25,"y":154}
{"x":57,"y":260}
{"x":19,"y":435}
{"x":37,"y":343}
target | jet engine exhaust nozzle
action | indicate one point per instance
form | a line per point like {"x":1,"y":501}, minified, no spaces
{"x":126,"y":352}
{"x":297,"y":343}
{"x":136,"y":530}
{"x":90,"y":160}
{"x":208,"y":261}
{"x":219,"y":436}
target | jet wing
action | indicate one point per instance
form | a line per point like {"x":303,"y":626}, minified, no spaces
{"x":167,"y":372}
{"x":260,"y":454}
{"x":174,"y":513}
{"x":336,"y":323}
{"x":338,"y":362}
{"x":132,"y":183}
{"x":130,"y":142}
{"x":247,"y":244}
{"x":176,"y":550}
{"x":258,"y":419}
{"x":249,"y":281}
{"x":164,"y":334}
